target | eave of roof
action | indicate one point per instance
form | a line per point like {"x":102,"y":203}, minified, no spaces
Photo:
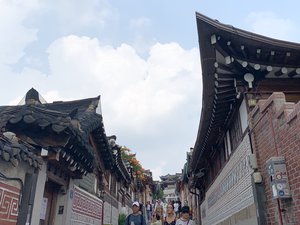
{"x":70,"y":122}
{"x":217,"y":39}
{"x":121,"y":168}
{"x":14,"y":151}
{"x":103,"y":147}
{"x":81,"y":105}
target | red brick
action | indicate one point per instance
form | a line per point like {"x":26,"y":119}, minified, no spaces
{"x":286,"y":135}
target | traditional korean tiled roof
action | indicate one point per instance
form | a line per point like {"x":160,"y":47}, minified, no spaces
{"x":121,"y":170}
{"x":170,"y":179}
{"x":69,"y":123}
{"x":234,"y":61}
{"x":14,"y":151}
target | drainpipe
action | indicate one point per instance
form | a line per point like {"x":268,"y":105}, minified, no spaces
{"x":276,"y":148}
{"x":28,"y":194}
{"x":258,"y":194}
{"x":260,"y":187}
{"x":198,"y":203}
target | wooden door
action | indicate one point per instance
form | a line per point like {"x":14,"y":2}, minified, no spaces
{"x":49,"y":204}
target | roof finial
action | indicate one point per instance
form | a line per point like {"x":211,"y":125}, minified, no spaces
{"x":32,"y":97}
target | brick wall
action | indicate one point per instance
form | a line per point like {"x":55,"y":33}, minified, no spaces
{"x":9,"y":204}
{"x":275,"y":128}
{"x":86,"y":208}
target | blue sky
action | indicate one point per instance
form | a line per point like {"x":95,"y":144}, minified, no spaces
{"x":142,"y":57}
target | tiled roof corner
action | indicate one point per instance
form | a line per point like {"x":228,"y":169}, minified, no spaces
{"x":14,"y":151}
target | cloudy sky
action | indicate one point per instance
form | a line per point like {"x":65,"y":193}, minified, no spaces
{"x":142,"y":57}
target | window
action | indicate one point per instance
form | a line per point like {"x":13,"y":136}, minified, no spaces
{"x":243,"y":116}
{"x":235,"y":132}
{"x":227,"y":145}
{"x":222,"y":154}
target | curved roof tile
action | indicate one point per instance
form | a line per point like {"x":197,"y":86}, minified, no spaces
{"x":14,"y":150}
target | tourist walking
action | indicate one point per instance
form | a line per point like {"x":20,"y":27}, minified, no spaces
{"x":170,"y":218}
{"x":159,"y":209}
{"x":149,"y":210}
{"x":185,"y":217}
{"x":156,"y":220}
{"x":136,"y":217}
{"x":179,"y":207}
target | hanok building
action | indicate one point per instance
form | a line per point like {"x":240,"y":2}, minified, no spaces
{"x":245,"y":164}
{"x":168,"y":184}
{"x":17,"y":162}
{"x":72,"y":166}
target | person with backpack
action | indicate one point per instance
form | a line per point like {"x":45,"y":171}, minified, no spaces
{"x":136,"y":217}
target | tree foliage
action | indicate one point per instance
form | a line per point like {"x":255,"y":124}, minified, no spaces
{"x":137,"y":169}
{"x":158,"y":194}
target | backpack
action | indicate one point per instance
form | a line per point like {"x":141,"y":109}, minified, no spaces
{"x":128,"y":219}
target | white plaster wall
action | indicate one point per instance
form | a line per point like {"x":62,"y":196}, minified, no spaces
{"x":18,"y":172}
{"x":65,"y":201}
{"x":39,"y":193}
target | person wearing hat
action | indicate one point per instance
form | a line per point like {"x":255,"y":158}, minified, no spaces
{"x":185,"y":217}
{"x":136,"y":217}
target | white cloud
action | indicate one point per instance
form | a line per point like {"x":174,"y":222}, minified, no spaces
{"x":158,"y":171}
{"x":269,"y":24}
{"x":131,"y":87}
{"x":146,"y":101}
{"x":15,"y":36}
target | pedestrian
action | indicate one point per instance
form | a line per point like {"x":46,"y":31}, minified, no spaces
{"x":159,"y":209}
{"x":149,"y":210}
{"x":179,"y":207}
{"x":156,"y":220}
{"x":170,"y":219}
{"x":176,"y":209}
{"x":185,"y":217}
{"x":136,"y":217}
{"x":185,"y":203}
{"x":142,"y":208}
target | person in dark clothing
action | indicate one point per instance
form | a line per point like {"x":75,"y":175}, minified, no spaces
{"x":170,"y":219}
{"x":179,"y":206}
{"x":142,"y":208}
{"x":136,"y":217}
{"x":149,"y":210}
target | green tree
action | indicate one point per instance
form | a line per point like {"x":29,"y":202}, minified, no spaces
{"x":158,"y":194}
{"x":122,"y":218}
